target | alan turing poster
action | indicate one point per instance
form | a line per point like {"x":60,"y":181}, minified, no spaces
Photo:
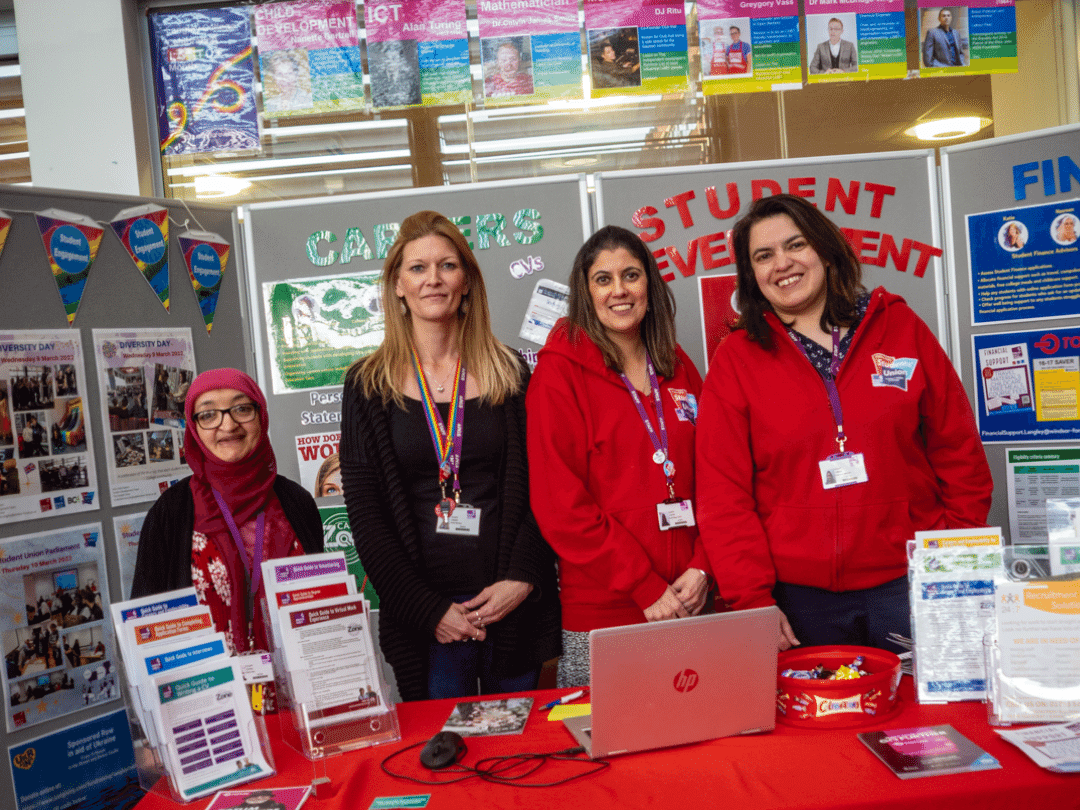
{"x":530,"y":50}
{"x":977,"y":37}
{"x":636,"y":46}
{"x":143,"y":377}
{"x":58,"y":646}
{"x":849,"y":42}
{"x":309,"y":57}
{"x":204,"y":78}
{"x":748,"y":46}
{"x":46,"y":453}
{"x":418,"y":53}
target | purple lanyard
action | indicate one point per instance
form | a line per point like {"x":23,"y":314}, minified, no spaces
{"x":252,"y":573}
{"x":830,"y":382}
{"x":447,"y":446}
{"x":659,"y":442}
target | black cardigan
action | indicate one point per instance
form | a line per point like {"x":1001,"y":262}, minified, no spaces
{"x":385,"y":536}
{"x":164,"y":559}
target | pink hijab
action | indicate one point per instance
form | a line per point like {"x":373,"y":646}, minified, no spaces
{"x":247,"y":484}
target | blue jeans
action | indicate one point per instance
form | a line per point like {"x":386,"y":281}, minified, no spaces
{"x":863,"y":618}
{"x":463,"y":669}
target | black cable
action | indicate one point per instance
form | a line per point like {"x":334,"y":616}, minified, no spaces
{"x":501,"y":770}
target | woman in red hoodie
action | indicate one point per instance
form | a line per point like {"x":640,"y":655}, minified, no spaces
{"x":612,"y":407}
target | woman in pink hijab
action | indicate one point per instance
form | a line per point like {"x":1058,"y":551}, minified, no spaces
{"x":213,"y":529}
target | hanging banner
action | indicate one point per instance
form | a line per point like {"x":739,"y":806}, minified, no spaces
{"x":531,"y":50}
{"x":71,"y":245}
{"x":309,"y":57}
{"x":978,"y":37}
{"x":143,"y":377}
{"x":5,"y":226}
{"x":853,"y":42}
{"x":1025,"y":263}
{"x":637,"y":46}
{"x":46,"y":450}
{"x":418,"y":53}
{"x":144,"y":232}
{"x":205,"y":256}
{"x":749,"y":47}
{"x":1028,"y":385}
{"x":204,"y":78}
{"x":54,"y":597}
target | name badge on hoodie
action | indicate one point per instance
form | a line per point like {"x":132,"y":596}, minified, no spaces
{"x":843,"y":470}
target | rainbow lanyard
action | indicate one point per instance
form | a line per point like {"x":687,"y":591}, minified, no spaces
{"x":447,"y":442}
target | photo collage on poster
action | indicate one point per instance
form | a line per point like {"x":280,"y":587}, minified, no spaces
{"x":46,"y":453}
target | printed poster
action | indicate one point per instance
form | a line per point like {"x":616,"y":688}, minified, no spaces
{"x":5,"y":227}
{"x":418,"y":53}
{"x":637,"y":46}
{"x":1033,"y":476}
{"x":144,"y":233}
{"x":977,"y":37}
{"x":80,"y":767}
{"x":309,"y":57}
{"x":1025,"y":263}
{"x":46,"y":450}
{"x":849,"y":42}
{"x":71,"y":244}
{"x":143,"y":377}
{"x":749,"y":47}
{"x":319,"y":326}
{"x":530,"y":51}
{"x":126,"y":531}
{"x":204,"y":79}
{"x":337,"y":536}
{"x":1029,"y":385}
{"x":59,"y":650}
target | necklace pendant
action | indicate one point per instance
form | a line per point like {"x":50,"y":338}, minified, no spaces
{"x":440,"y":388}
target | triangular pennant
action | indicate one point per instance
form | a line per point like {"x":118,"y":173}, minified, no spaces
{"x":5,"y":226}
{"x":144,"y":232}
{"x":71,"y":244}
{"x":205,"y":255}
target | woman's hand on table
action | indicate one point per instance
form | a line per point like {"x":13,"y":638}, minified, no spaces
{"x":787,"y":635}
{"x":692,"y":587}
{"x":455,"y":626}
{"x":668,"y":606}
{"x":496,"y":600}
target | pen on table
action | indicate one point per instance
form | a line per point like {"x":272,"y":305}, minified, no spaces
{"x":563,"y":699}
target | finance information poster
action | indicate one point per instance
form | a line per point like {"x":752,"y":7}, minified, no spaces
{"x":1029,"y":385}
{"x":749,"y":47}
{"x":46,"y":453}
{"x":637,"y":46}
{"x":418,"y":53}
{"x":309,"y":57}
{"x":854,"y":42}
{"x":530,"y":50}
{"x":88,"y":766}
{"x":1025,"y":263}
{"x":143,"y":377}
{"x":204,"y":79}
{"x":58,"y":647}
{"x":976,"y":37}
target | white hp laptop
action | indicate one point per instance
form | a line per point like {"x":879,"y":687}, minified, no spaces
{"x":669,"y":683}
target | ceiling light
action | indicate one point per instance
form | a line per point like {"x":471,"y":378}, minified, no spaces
{"x":219,"y":185}
{"x":948,"y":128}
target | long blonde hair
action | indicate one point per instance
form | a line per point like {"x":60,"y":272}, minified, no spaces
{"x":493,"y":366}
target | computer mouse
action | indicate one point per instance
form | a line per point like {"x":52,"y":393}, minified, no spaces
{"x":444,"y":749}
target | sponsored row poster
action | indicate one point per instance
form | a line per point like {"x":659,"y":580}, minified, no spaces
{"x":59,"y":653}
{"x":1028,"y":385}
{"x":143,"y":377}
{"x":46,"y":452}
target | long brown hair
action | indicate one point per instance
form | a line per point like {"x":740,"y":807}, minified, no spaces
{"x":493,"y":366}
{"x":658,"y":327}
{"x":843,"y":273}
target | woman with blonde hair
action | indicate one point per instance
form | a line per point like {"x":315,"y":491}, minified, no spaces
{"x":435,"y":417}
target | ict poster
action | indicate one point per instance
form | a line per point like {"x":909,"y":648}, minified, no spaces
{"x":46,"y":450}
{"x":58,"y":646}
{"x":143,"y":377}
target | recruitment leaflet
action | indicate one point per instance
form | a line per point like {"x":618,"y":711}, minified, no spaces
{"x":207,"y":718}
{"x":749,"y":47}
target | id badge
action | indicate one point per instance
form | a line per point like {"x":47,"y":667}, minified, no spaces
{"x":464,"y":520}
{"x":843,"y":470}
{"x":257,"y":667}
{"x":671,"y":515}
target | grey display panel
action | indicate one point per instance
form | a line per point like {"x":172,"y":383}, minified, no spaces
{"x":888,"y":202}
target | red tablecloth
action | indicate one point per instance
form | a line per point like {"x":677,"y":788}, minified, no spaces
{"x":788,"y":768}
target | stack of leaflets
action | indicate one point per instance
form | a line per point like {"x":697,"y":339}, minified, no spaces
{"x":927,"y":751}
{"x":325,"y":655}
{"x":1055,"y":747}
{"x":188,"y":694}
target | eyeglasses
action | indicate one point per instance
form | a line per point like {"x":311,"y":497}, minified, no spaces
{"x":212,"y":417}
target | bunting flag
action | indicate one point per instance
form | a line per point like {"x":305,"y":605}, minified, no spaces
{"x":144,"y":232}
{"x":71,"y":244}
{"x":205,"y":255}
{"x":5,"y":226}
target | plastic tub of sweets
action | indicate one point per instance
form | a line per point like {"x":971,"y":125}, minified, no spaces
{"x":815,"y":703}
